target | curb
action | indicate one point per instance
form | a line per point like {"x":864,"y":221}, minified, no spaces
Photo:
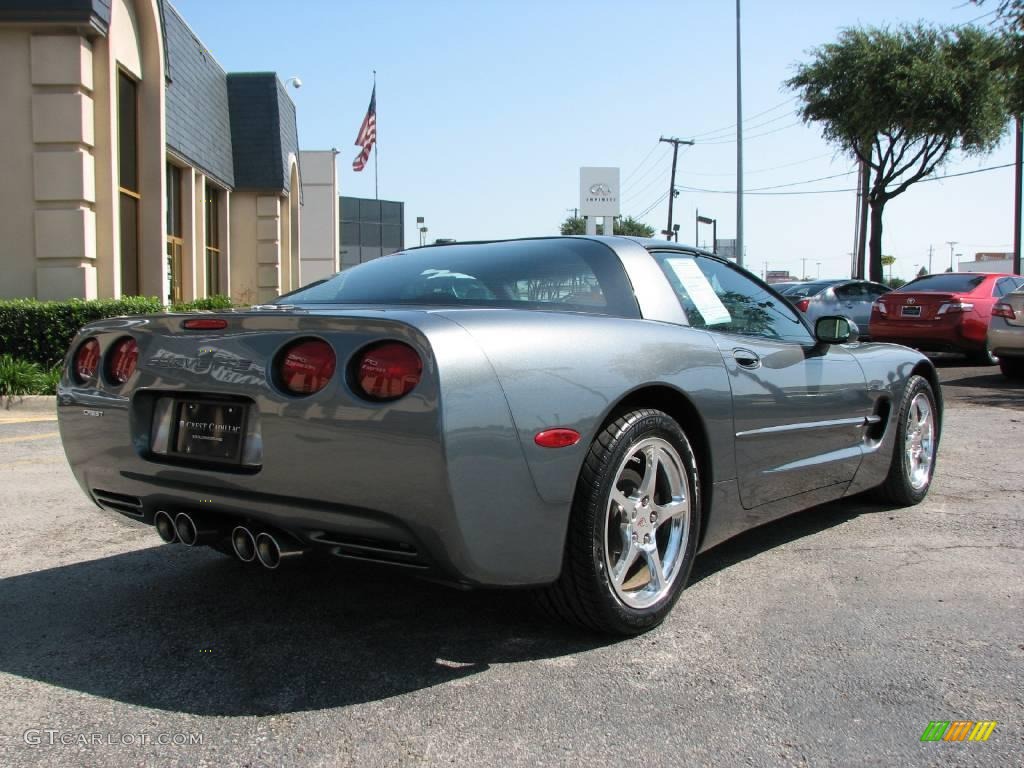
{"x":31,"y":404}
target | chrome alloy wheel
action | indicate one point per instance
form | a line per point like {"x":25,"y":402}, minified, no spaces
{"x":647,"y":523}
{"x":919,"y":447}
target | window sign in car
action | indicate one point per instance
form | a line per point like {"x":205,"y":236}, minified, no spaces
{"x":701,"y":293}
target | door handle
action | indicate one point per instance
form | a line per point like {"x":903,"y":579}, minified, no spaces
{"x":746,"y":359}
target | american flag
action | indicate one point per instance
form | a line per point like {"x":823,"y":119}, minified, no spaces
{"x":367,"y":134}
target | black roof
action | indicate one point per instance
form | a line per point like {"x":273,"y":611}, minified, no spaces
{"x":92,"y":12}
{"x":263,"y":130}
{"x":198,"y":118}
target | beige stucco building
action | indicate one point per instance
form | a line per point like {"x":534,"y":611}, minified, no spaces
{"x":133,"y":164}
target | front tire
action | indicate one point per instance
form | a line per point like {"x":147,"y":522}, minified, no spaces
{"x":916,"y":445}
{"x":633,"y":529}
{"x":1012,"y":367}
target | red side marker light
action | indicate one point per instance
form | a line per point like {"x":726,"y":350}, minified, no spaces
{"x":803,"y":304}
{"x":557,"y":438}
{"x":205,"y":324}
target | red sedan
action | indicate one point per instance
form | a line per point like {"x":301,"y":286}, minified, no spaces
{"x":948,"y":312}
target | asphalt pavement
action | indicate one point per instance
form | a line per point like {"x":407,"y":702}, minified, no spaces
{"x":830,"y":638}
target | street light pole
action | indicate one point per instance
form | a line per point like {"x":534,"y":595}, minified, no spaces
{"x":739,"y":144}
{"x":819,"y":269}
{"x":951,"y":243}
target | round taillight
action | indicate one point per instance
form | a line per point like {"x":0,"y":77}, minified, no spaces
{"x":306,"y":366}
{"x":388,"y":371}
{"x":87,"y":361}
{"x":122,"y":359}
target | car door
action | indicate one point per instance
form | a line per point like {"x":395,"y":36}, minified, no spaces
{"x":800,"y":408}
{"x":854,"y":301}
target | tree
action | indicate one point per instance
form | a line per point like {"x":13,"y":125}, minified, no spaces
{"x":901,"y":101}
{"x":888,"y":261}
{"x":577,"y":225}
{"x":922,"y":272}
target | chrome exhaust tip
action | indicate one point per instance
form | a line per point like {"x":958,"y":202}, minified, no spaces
{"x":193,"y":532}
{"x":271,"y":552}
{"x":244,"y":544}
{"x":165,"y":527}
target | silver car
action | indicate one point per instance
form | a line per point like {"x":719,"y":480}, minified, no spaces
{"x":577,"y":415}
{"x":1006,"y":334}
{"x":850,"y":298}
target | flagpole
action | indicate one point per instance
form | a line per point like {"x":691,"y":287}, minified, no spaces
{"x":376,"y":147}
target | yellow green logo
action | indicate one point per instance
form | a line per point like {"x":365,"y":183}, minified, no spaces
{"x":958,"y":730}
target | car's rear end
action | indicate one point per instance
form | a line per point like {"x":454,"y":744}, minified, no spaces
{"x":1006,"y":333}
{"x":313,"y":431}
{"x":937,"y":313}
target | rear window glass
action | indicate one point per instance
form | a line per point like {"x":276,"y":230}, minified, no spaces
{"x":803,"y":290}
{"x":554,"y":274}
{"x":949,"y":282}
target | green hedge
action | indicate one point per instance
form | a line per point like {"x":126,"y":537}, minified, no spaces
{"x":41,"y":331}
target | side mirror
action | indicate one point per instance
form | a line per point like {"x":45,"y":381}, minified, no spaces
{"x":835,"y":329}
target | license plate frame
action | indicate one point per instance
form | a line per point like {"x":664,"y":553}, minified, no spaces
{"x":208,"y":430}
{"x":910,"y":311}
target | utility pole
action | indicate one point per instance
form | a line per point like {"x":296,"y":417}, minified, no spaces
{"x":930,"y":249}
{"x":951,"y":243}
{"x":672,"y":183}
{"x":765,"y":275}
{"x":1019,"y":179}
{"x":862,"y":233}
{"x":575,"y":212}
{"x":803,"y":269}
{"x":819,"y":269}
{"x":739,"y":144}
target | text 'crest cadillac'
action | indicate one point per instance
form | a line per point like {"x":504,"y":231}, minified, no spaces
{"x":578,"y":415}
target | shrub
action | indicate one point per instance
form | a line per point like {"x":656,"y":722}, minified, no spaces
{"x":41,"y":331}
{"x":17,"y":378}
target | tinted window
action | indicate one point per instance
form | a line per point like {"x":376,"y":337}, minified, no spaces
{"x":719,"y":297}
{"x":804,"y":290}
{"x":852,"y":292}
{"x":1005,"y":285}
{"x":948,"y":282}
{"x":566,"y":274}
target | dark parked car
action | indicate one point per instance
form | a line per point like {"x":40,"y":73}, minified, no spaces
{"x":577,"y":415}
{"x":948,"y":312}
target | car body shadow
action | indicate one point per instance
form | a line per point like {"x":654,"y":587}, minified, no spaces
{"x":192,"y":631}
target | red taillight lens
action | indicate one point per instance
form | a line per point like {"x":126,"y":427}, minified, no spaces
{"x":388,"y":371}
{"x":87,"y":362}
{"x":954,"y":307}
{"x":124,"y":355}
{"x":306,"y":366}
{"x":1004,"y":310}
{"x":803,"y":304}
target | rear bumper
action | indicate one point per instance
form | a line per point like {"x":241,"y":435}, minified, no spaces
{"x":1006,"y":340}
{"x":939,"y":338}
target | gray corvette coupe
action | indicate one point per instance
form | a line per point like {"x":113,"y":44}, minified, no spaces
{"x":580,"y":415}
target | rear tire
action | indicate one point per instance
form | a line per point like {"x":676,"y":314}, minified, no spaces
{"x":633,"y":528}
{"x":983,"y":357}
{"x":1012,"y":367}
{"x":915,"y":448}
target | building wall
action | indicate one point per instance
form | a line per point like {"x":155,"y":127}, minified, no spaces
{"x":370,"y":229}
{"x":320,"y":218}
{"x":17,"y":198}
{"x":986,"y":265}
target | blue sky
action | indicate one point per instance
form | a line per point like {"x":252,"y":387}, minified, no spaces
{"x":486,"y":111}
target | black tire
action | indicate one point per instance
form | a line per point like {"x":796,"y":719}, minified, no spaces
{"x":584,"y":594}
{"x":1012,"y":367}
{"x":983,"y":357}
{"x":898,"y":488}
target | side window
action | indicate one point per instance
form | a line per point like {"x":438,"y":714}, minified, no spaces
{"x":874,"y":291}
{"x":719,"y":297}
{"x":851,"y":292}
{"x":1004,"y":286}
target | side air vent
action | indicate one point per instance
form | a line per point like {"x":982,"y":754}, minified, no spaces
{"x":878,"y":422}
{"x":374,"y":550}
{"x":118,"y":502}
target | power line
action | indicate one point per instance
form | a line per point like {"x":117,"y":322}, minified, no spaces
{"x":845,"y":189}
{"x":646,"y":174}
{"x":765,"y":170}
{"x":746,"y":128}
{"x":641,"y":165}
{"x":654,"y":180}
{"x":652,"y":206}
{"x":752,"y":117}
{"x":754,"y":136}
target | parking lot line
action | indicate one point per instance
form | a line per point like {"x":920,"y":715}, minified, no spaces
{"x":27,"y":437}
{"x":7,"y":419}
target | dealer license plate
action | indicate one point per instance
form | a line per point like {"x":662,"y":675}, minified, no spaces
{"x":911,"y":312}
{"x":206,"y":429}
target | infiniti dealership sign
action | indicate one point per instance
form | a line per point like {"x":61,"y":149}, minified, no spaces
{"x":599,"y":191}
